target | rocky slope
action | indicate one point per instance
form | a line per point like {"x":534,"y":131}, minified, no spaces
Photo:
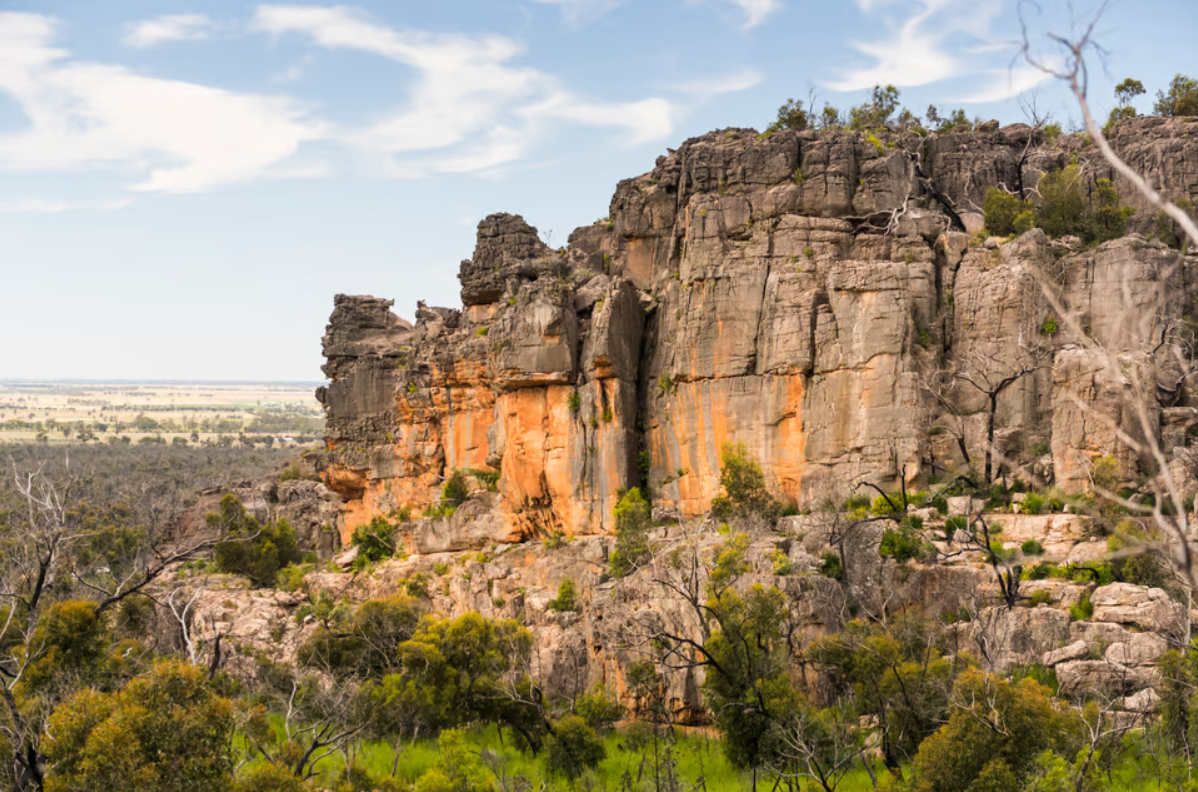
{"x":800,"y":293}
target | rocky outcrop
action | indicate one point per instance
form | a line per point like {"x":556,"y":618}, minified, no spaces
{"x":810,"y":295}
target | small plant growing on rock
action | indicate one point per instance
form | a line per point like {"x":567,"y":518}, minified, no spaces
{"x":901,"y":544}
{"x":1041,"y":597}
{"x":743,"y":482}
{"x":1032,"y":547}
{"x":482,"y":331}
{"x":633,"y":520}
{"x":375,"y":541}
{"x":566,"y":599}
{"x":781,"y":564}
{"x":831,"y":566}
{"x":1083,"y":609}
{"x":574,"y":401}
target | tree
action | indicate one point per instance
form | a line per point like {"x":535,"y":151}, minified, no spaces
{"x":996,"y":731}
{"x":250,"y":548}
{"x":1180,"y":100}
{"x":572,"y":748}
{"x":878,"y":111}
{"x":743,"y":483}
{"x":633,"y":520}
{"x":894,"y":674}
{"x":791,"y":115}
{"x":1125,"y":92}
{"x":166,"y":731}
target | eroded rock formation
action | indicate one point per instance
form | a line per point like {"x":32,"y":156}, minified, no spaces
{"x":804,"y":294}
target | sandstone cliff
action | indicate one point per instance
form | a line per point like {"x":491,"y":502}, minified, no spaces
{"x":800,"y":293}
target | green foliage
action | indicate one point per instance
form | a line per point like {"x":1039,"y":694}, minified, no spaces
{"x":70,"y":640}
{"x":1041,"y":597}
{"x":1033,"y":504}
{"x":780,"y":563}
{"x":488,"y":478}
{"x":901,"y":544}
{"x":1052,"y":133}
{"x":890,"y":503}
{"x":856,"y":502}
{"x":968,"y":754}
{"x":633,"y":520}
{"x":1180,"y":100}
{"x":375,"y":541}
{"x":743,"y":482}
{"x":574,"y":401}
{"x":746,"y":685}
{"x":572,"y":748}
{"x":831,"y":566}
{"x":1083,"y":609}
{"x":1107,"y":220}
{"x":1001,"y":209}
{"x":454,"y":673}
{"x":163,"y":732}
{"x":599,"y":710}
{"x":458,"y":768}
{"x":482,"y":331}
{"x":252,"y":549}
{"x":364,"y":643}
{"x":1063,"y":207}
{"x":878,"y":111}
{"x":567,"y":597}
{"x":267,"y":777}
{"x":1032,"y":547}
{"x":455,"y":492}
{"x":791,"y":115}
{"x":1125,"y":92}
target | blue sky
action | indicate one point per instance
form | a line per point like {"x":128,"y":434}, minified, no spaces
{"x":185,"y":185}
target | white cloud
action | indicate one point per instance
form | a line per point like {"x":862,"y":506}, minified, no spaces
{"x":579,"y":13}
{"x":1006,"y":83}
{"x":467,"y":96}
{"x":177,"y":27}
{"x":176,"y":136}
{"x":756,"y":10}
{"x":932,"y":44}
{"x":728,"y":83}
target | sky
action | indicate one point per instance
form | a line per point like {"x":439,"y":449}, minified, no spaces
{"x":185,"y":185}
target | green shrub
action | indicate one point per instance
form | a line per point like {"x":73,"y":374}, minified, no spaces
{"x":940,"y":503}
{"x":1000,"y":209}
{"x":1041,"y":597}
{"x":891,"y":503}
{"x":1083,"y":609}
{"x":743,"y":483}
{"x":791,"y":115}
{"x":1033,"y":503}
{"x":633,"y":519}
{"x":1107,"y":220}
{"x":574,"y":401}
{"x":572,"y":748}
{"x":1063,"y":208}
{"x":1025,"y":221}
{"x":1050,"y":326}
{"x":1052,"y":133}
{"x":375,"y":541}
{"x":832,"y":566}
{"x":1032,"y":547}
{"x":1040,"y":571}
{"x":455,"y":492}
{"x":901,"y":545}
{"x":252,"y":549}
{"x":781,"y":563}
{"x":566,"y":599}
{"x":291,"y":577}
{"x":1000,"y":552}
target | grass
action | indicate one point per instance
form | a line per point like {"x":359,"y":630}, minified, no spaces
{"x":700,"y":760}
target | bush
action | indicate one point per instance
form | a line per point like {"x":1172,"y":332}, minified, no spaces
{"x":566,"y":599}
{"x":252,"y":549}
{"x":572,"y":748}
{"x":743,"y":482}
{"x":1032,"y":547}
{"x":1063,"y":208}
{"x":1040,"y":571}
{"x":1041,"y":597}
{"x":832,"y":566}
{"x":633,"y":520}
{"x":1033,"y":504}
{"x":780,"y":562}
{"x":791,"y":115}
{"x":1107,"y":220}
{"x":1083,"y":609}
{"x":375,"y":541}
{"x":856,"y":502}
{"x":454,"y":492}
{"x":574,"y":401}
{"x":1000,"y":209}
{"x":901,"y":545}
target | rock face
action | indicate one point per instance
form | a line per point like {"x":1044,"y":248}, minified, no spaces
{"x":799,"y":293}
